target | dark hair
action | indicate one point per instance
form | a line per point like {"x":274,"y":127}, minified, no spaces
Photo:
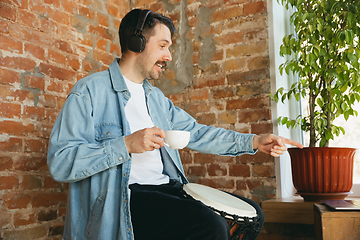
{"x":129,"y":22}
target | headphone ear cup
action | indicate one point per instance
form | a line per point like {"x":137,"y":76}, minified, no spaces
{"x":136,"y":43}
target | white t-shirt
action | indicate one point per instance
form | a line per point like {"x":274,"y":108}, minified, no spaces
{"x":147,"y":167}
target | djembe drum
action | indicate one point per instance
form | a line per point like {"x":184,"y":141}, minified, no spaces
{"x":240,"y":215}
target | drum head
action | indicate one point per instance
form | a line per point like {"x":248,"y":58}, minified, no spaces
{"x":220,"y":200}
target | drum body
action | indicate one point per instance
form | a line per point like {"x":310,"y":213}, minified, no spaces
{"x":240,"y":215}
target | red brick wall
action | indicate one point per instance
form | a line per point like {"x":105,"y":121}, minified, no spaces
{"x":46,"y":46}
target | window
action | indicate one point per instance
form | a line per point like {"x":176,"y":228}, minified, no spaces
{"x":279,"y":26}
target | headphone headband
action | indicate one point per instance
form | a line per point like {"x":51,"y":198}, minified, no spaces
{"x":142,"y":18}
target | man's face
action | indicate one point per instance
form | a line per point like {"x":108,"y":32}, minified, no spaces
{"x":156,"y":53}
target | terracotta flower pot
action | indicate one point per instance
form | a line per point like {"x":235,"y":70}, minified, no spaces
{"x":322,"y":172}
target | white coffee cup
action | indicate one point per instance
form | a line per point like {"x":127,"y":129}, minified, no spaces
{"x":176,"y":139}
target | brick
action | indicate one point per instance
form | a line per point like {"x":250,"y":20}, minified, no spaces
{"x":53,"y":3}
{"x":31,"y":182}
{"x":50,"y":183}
{"x":103,"y":57}
{"x":247,"y":77}
{"x":102,"y":43}
{"x":36,"y":51}
{"x":217,"y":170}
{"x":255,"y":8}
{"x":9,"y":76}
{"x":73,"y":62}
{"x":7,"y":11}
{"x":247,"y":49}
{"x":256,"y":35}
{"x":114,"y":49}
{"x":10,"y":110}
{"x":208,"y":82}
{"x":29,"y":19}
{"x":239,"y":170}
{"x":103,"y":32}
{"x":259,"y":63}
{"x":241,"y":185}
{"x":16,"y":200}
{"x":49,"y":101}
{"x":209,"y":158}
{"x":261,"y":128}
{"x":55,"y":86}
{"x":4,"y":27}
{"x":32,"y":81}
{"x":229,"y":13}
{"x":65,"y":46}
{"x":34,"y":145}
{"x":32,"y":232}
{"x":253,"y":89}
{"x":227,"y":118}
{"x":199,"y":94}
{"x":17,"y":63}
{"x":15,"y":128}
{"x":49,"y":26}
{"x":5,"y":219}
{"x":56,"y":56}
{"x":15,"y":95}
{"x":70,"y":7}
{"x":34,"y":113}
{"x":11,"y":144}
{"x":257,"y":102}
{"x":236,"y":37}
{"x":235,"y":64}
{"x":5,"y":162}
{"x":217,"y":182}
{"x":263,"y":171}
{"x":8,"y":182}
{"x":185,"y":156}
{"x":10,"y":44}
{"x":194,"y":108}
{"x":23,"y":218}
{"x":27,"y":163}
{"x":57,"y":72}
{"x":47,"y":215}
{"x":258,"y":158}
{"x":223,"y":93}
{"x":51,"y":115}
{"x":102,"y":19}
{"x":256,"y":115}
{"x":56,"y":229}
{"x":48,"y":199}
{"x":206,"y":118}
{"x":199,"y":171}
{"x":60,"y":16}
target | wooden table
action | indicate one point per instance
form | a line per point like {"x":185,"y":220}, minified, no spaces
{"x":336,"y":225}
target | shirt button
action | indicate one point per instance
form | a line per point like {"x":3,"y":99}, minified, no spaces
{"x":128,"y":229}
{"x":125,"y":175}
{"x":125,"y":201}
{"x":120,"y":158}
{"x":108,"y":133}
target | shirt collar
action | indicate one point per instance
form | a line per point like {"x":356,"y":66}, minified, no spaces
{"x":118,"y":81}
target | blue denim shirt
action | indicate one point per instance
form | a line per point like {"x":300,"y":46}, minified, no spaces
{"x":87,"y":150}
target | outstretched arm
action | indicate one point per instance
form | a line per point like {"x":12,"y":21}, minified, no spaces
{"x":272,"y":144}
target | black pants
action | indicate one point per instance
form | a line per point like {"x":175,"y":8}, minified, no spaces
{"x":162,"y":212}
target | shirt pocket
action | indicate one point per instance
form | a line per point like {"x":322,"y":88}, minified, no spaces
{"x":107,"y":131}
{"x":94,"y":220}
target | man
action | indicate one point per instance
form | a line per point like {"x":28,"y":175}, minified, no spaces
{"x":107,"y":143}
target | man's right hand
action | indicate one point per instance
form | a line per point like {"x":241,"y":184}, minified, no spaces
{"x":147,"y":139}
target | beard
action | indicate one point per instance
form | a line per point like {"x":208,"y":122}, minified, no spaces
{"x":148,"y":70}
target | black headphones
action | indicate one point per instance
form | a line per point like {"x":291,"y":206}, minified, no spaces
{"x":136,"y":42}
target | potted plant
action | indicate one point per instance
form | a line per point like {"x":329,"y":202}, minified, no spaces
{"x":325,"y":54}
